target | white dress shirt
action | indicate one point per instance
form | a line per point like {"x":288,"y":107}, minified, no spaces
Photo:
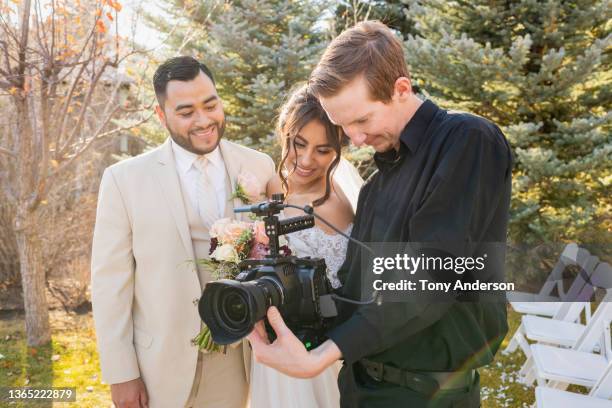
{"x":189,"y":175}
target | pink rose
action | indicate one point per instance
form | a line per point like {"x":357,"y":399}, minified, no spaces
{"x":250,"y":186}
{"x":259,"y":231}
{"x":233,"y":231}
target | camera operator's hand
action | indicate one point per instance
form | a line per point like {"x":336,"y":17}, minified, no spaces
{"x":130,"y":394}
{"x":287,"y":354}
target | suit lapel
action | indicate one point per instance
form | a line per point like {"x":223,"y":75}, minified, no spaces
{"x":171,"y":189}
{"x":233,"y":167}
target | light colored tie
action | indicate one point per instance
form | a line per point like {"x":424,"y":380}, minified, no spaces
{"x":207,"y":197}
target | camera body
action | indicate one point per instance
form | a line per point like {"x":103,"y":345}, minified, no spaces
{"x":297,"y":286}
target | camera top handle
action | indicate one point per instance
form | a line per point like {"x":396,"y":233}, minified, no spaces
{"x":275,"y":227}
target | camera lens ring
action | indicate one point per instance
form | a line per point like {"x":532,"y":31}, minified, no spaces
{"x":276,"y":283}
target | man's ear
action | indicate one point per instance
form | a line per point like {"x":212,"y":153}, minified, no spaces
{"x":160,"y":114}
{"x":402,"y":88}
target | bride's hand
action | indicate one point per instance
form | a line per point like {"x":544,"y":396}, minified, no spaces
{"x":287,"y":354}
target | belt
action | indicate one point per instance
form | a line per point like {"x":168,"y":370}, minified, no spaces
{"x":424,"y":382}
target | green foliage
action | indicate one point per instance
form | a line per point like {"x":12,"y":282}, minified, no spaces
{"x":390,"y":12}
{"x":541,"y":71}
{"x":257,"y":50}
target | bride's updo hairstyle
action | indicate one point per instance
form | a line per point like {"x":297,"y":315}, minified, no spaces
{"x":300,"y":109}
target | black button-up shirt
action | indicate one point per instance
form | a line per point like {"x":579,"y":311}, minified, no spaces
{"x":450,"y":180}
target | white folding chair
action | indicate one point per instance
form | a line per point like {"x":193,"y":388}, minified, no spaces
{"x":599,"y":397}
{"x":558,"y":366}
{"x":545,"y":303}
{"x":564,"y":328}
{"x":571,"y":255}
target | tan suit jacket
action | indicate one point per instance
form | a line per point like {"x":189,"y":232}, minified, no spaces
{"x":143,"y":281}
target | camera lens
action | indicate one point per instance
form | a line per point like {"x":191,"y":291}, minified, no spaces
{"x":234,"y":309}
{"x":230,"y":309}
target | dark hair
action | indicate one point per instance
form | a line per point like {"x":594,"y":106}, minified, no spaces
{"x":177,"y":69}
{"x":370,"y":49}
{"x":300,"y":109}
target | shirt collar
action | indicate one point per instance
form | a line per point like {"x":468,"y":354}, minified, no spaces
{"x":411,"y":137}
{"x":415,"y":130}
{"x":185,"y":159}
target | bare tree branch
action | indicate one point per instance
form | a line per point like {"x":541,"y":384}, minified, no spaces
{"x":38,"y":14}
{"x":67,"y":164}
{"x":51,"y":50}
{"x":63,"y":116}
{"x":8,"y":30}
{"x":8,"y":72}
{"x":92,"y":86}
{"x":23,"y":42}
{"x":8,"y":152}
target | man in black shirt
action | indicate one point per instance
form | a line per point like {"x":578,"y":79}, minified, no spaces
{"x":442,"y":177}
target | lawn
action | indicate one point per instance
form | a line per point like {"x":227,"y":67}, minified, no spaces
{"x":72,"y":361}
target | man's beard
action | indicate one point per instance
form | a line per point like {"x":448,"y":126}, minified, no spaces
{"x":185,"y":142}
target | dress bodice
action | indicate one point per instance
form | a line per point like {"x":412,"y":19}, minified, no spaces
{"x":316,"y":243}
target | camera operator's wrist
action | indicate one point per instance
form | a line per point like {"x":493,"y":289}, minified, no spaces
{"x":326,"y":354}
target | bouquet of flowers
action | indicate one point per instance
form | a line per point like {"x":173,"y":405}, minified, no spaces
{"x":231,"y":242}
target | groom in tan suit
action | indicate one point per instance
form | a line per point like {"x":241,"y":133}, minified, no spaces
{"x":154,"y":214}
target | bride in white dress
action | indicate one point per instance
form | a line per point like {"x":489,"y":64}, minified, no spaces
{"x":311,"y":172}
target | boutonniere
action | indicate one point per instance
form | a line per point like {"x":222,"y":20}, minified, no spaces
{"x":248,"y":188}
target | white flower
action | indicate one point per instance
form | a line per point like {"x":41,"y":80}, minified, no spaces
{"x":225,"y":253}
{"x":218,"y":228}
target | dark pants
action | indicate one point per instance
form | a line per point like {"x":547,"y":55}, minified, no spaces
{"x":359,"y":390}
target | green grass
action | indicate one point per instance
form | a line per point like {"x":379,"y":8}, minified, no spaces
{"x":71,"y":360}
{"x":499,"y":380}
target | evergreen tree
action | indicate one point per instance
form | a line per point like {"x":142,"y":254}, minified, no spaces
{"x":257,"y":50}
{"x":390,"y":12}
{"x":541,"y":71}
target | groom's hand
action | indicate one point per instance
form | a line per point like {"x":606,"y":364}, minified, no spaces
{"x":130,"y":394}
{"x":287,"y":354}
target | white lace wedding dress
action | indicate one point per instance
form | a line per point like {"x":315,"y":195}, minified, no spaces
{"x":272,"y":389}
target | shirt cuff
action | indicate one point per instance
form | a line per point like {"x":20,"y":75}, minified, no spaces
{"x":356,"y":338}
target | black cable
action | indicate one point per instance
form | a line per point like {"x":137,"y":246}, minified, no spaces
{"x":309,"y":210}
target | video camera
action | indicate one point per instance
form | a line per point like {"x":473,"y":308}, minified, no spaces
{"x":298,"y":287}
